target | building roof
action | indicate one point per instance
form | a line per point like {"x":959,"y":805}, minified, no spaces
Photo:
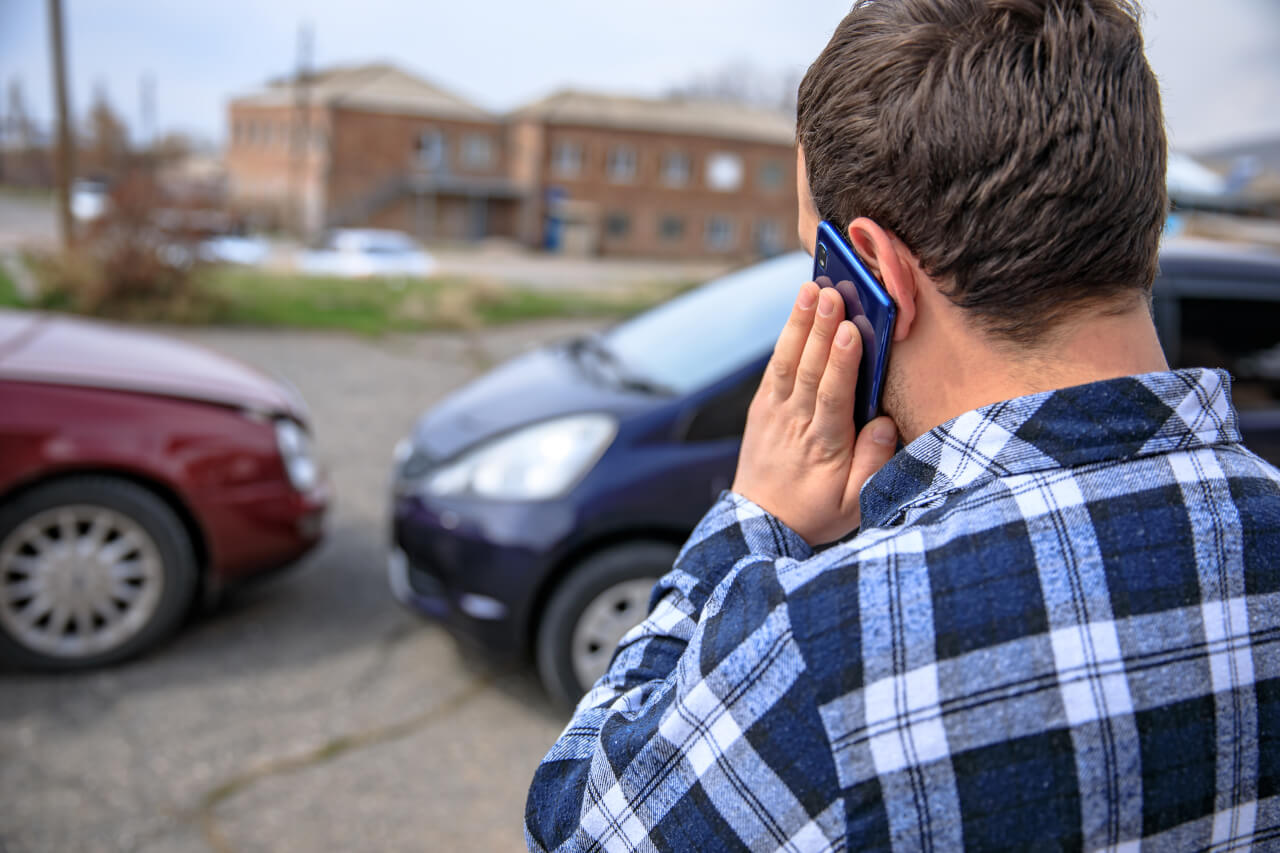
{"x":667,"y":115}
{"x":379,"y":87}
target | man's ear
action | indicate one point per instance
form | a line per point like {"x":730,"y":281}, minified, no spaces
{"x":893,"y":264}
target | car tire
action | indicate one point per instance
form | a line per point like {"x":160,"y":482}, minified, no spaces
{"x":93,"y":571}
{"x":590,"y":609}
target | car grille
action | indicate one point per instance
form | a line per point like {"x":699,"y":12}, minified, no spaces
{"x":423,"y":581}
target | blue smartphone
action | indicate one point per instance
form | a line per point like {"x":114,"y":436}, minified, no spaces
{"x":867,"y":305}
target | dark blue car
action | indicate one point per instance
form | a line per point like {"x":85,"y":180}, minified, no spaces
{"x":535,"y":507}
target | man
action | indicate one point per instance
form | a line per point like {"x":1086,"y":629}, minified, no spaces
{"x":1056,"y":624}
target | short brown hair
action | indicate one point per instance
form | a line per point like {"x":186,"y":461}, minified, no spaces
{"x":1015,"y":146}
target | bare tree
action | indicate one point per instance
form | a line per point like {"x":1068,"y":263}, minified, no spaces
{"x":26,"y":157}
{"x":19,"y":129}
{"x":743,"y":82}
{"x":108,"y":144}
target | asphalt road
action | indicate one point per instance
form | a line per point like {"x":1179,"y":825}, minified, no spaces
{"x":26,"y":221}
{"x":310,"y":713}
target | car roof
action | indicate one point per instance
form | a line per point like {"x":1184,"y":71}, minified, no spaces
{"x":1202,"y":259}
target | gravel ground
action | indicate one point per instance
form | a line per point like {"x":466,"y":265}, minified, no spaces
{"x":309,"y":713}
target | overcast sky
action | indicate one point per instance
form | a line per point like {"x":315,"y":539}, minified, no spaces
{"x":1218,"y":62}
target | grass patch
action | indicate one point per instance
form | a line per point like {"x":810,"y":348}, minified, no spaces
{"x":239,"y":296}
{"x":253,"y":298}
{"x":375,"y":306}
{"x":8,"y":291}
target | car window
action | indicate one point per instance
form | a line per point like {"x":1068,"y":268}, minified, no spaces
{"x":386,"y":243}
{"x":709,"y":332}
{"x":1227,"y":324}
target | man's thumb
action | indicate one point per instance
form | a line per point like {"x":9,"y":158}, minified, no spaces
{"x":875,"y":446}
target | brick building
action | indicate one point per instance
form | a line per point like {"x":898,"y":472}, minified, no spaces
{"x":577,"y":172}
{"x":370,"y":145}
{"x":659,"y":177}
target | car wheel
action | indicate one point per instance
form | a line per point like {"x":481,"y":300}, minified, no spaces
{"x":93,"y":570}
{"x":590,"y":610}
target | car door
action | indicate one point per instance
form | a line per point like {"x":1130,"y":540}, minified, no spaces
{"x":1229,"y":319}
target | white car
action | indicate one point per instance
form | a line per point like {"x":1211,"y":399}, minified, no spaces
{"x":366,"y":253}
{"x":89,"y":199}
{"x":233,"y":249}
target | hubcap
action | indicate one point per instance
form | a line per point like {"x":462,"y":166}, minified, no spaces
{"x":610,"y":614}
{"x":78,"y":580}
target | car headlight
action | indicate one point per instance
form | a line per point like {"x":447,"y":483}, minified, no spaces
{"x":295,"y":450}
{"x":535,"y":463}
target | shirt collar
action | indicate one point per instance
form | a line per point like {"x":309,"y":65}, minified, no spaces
{"x":1112,"y":420}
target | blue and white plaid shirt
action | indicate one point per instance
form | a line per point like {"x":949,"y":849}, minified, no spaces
{"x":1057,"y":628}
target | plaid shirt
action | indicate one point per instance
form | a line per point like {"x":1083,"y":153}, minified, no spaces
{"x":1057,"y":628}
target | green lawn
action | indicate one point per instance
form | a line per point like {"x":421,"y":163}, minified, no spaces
{"x":238,"y":296}
{"x":374,"y":306}
{"x":252,"y":298}
{"x":8,"y":290}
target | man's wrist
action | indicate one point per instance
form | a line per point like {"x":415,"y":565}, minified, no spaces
{"x":764,"y":533}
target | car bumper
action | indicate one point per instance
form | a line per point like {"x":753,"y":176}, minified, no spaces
{"x":476,"y":568}
{"x":252,"y":532}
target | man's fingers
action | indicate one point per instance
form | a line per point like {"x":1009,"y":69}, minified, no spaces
{"x":876,"y":445}
{"x":833,"y":410}
{"x":781,"y":374}
{"x":813,"y":361}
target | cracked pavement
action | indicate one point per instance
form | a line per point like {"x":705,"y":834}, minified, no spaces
{"x":308,"y":713}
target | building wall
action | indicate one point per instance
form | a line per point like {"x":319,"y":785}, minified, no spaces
{"x":649,"y":213}
{"x":448,"y":218}
{"x":265,"y":171}
{"x":375,"y":152}
{"x":526,"y":144}
{"x":360,"y":167}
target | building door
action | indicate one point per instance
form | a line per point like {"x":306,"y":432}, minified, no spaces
{"x":477,"y":218}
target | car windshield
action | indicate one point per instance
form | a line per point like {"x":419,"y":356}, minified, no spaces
{"x":709,"y":332}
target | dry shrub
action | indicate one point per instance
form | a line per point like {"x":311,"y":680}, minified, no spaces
{"x":127,"y":266}
{"x":458,"y":305}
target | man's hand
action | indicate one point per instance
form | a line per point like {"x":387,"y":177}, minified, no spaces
{"x":799,"y":461}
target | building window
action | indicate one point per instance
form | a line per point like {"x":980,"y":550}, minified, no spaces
{"x":770,"y":176}
{"x":768,"y":237}
{"x":622,"y":164}
{"x":671,"y":228}
{"x":720,"y":233}
{"x":675,"y":169}
{"x":477,"y":151}
{"x":431,"y":150}
{"x":724,"y":171}
{"x":566,"y":160}
{"x":617,"y":225}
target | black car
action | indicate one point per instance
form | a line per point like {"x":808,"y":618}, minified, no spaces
{"x":534,"y":508}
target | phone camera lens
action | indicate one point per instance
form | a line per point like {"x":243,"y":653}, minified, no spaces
{"x":822,"y":256}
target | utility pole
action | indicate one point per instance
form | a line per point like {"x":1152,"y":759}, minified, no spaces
{"x":300,"y":133}
{"x":64,"y":173}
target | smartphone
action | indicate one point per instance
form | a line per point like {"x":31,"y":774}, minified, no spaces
{"x":867,"y":305}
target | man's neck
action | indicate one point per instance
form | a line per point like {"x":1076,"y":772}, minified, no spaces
{"x":979,"y":371}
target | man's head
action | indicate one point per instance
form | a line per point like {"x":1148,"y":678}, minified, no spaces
{"x":1015,"y":148}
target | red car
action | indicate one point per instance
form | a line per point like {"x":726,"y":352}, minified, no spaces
{"x":136,"y":474}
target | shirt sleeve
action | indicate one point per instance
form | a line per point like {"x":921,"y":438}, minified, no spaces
{"x":704,"y":732}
